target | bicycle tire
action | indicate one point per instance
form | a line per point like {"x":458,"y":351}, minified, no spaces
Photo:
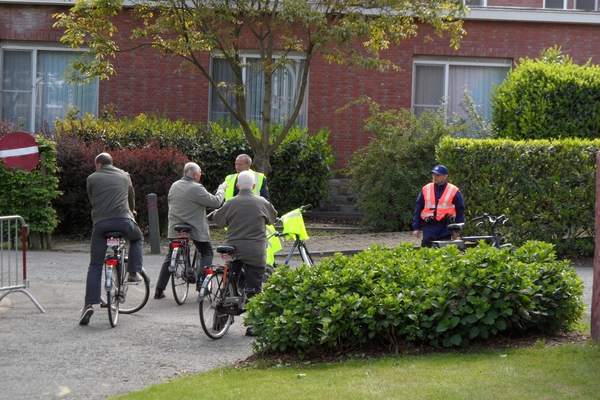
{"x":306,"y":257}
{"x":179,"y":284}
{"x":214,"y":324}
{"x":113,"y":297}
{"x":135,"y":295}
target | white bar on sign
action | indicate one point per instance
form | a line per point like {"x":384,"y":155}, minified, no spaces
{"x":18,"y":152}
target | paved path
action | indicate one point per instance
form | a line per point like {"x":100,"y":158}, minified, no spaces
{"x":49,"y":356}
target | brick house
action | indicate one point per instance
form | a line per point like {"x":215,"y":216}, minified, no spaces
{"x":499,"y":33}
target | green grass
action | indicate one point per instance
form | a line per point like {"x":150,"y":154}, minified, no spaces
{"x":569,"y":371}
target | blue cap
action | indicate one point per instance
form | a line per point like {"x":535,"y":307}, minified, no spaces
{"x":439,"y":170}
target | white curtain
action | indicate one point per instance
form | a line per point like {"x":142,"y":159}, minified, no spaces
{"x":16,"y":88}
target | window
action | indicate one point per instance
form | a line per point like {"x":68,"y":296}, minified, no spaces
{"x":562,"y":4}
{"x":286,"y":85}
{"x":34,"y":89}
{"x":475,"y":3}
{"x":436,"y":79}
{"x":587,"y":5}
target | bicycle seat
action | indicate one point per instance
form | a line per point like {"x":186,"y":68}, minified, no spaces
{"x":113,"y":235}
{"x":226,"y":249}
{"x":457,"y":226}
{"x":182,"y":228}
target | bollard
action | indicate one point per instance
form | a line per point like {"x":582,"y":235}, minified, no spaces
{"x":153,"y":224}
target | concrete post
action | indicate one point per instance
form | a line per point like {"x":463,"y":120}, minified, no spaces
{"x":153,"y":224}
{"x":595,"y":320}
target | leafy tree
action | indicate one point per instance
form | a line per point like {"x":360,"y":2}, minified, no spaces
{"x":341,"y":31}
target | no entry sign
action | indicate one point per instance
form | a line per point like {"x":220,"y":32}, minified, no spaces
{"x":19,"y":149}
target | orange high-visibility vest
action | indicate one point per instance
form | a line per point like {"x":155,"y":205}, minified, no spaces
{"x":444,"y":207}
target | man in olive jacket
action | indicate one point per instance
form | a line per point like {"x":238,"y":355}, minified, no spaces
{"x":113,"y":200}
{"x":188,"y":200}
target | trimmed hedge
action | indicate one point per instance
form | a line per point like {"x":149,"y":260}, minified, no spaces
{"x":549,"y":97}
{"x":546,"y":188}
{"x":401,"y":297}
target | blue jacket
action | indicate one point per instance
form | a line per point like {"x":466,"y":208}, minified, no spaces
{"x":436,"y":229}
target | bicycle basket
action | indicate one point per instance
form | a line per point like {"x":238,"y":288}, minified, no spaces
{"x":293,"y":224}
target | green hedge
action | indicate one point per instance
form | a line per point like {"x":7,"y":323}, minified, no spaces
{"x":301,"y":165}
{"x":401,"y":297}
{"x":546,"y":188}
{"x":550,"y":97}
{"x":30,"y":193}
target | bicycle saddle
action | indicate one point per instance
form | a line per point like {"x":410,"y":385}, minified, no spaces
{"x":226,"y":249}
{"x":113,"y":235}
{"x":182,"y":228}
{"x":458,"y":226}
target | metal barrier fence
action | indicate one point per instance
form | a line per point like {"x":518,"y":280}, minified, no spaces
{"x":13,"y":276}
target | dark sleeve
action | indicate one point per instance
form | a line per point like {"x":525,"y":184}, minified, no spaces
{"x":459,"y":204}
{"x":416,"y":223}
{"x":264,"y":190}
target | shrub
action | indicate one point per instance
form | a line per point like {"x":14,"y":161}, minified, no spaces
{"x":390,"y":171}
{"x":152,"y":170}
{"x":401,"y":297}
{"x":549,"y":97}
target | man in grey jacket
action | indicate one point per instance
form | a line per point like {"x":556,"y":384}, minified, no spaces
{"x":246,"y":216}
{"x":113,"y":200}
{"x":188,"y":200}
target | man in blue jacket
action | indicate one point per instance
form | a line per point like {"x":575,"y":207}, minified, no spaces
{"x":438,"y":204}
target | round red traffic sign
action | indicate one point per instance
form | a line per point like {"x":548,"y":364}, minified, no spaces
{"x":19,"y":149}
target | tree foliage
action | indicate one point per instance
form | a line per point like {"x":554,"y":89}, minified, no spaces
{"x":341,"y":31}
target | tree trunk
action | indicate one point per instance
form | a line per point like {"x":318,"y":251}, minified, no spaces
{"x":261,"y":162}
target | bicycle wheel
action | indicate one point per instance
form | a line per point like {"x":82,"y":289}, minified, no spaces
{"x":214,"y":323}
{"x":113,"y":297}
{"x":305,"y":254}
{"x":134,"y":295}
{"x":179,"y":284}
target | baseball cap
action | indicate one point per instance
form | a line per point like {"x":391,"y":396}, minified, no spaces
{"x":439,"y":170}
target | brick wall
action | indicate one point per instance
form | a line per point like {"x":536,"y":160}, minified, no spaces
{"x":145,"y":82}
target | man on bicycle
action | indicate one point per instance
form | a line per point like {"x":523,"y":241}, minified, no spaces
{"x":438,"y":204}
{"x":188,"y":200}
{"x":113,"y":202}
{"x":246,"y":216}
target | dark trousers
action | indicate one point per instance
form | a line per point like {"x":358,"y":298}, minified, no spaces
{"x":426,"y":241}
{"x":206,"y":259}
{"x":250,"y":278}
{"x":132,"y":233}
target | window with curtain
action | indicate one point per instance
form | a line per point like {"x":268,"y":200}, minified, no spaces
{"x":34,"y":89}
{"x":286,"y":85}
{"x":587,"y":5}
{"x":435,"y":81}
{"x":562,"y":4}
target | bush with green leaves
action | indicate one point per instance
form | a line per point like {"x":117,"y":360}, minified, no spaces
{"x":301,"y":165}
{"x":548,"y":97}
{"x":401,"y":297}
{"x":389,"y":172}
{"x":30,"y":193}
{"x":545,"y":187}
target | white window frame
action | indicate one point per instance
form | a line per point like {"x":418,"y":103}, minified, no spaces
{"x":301,"y":120}
{"x":446,"y":63}
{"x":34,"y":48}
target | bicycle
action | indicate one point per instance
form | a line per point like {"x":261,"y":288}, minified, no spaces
{"x":496,"y":239}
{"x":220,"y":299}
{"x":293,"y":228}
{"x":124,"y":293}
{"x":182,"y":272}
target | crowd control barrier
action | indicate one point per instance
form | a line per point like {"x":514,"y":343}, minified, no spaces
{"x":13,"y":271}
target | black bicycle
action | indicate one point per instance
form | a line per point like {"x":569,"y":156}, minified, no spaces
{"x":125,"y":293}
{"x":220,"y":298}
{"x":183,"y":268}
{"x":490,"y":223}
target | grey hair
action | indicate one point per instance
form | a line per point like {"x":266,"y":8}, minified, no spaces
{"x":246,"y":157}
{"x":104,"y":159}
{"x":245,"y":180}
{"x":190,"y":169}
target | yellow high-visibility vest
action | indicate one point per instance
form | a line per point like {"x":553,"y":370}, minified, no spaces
{"x":273,"y":244}
{"x":231,"y":179}
{"x":293,"y":223}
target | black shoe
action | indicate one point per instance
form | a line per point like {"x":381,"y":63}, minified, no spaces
{"x":86,"y":315}
{"x":134,"y":278}
{"x":159,"y":294}
{"x":249,"y":332}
